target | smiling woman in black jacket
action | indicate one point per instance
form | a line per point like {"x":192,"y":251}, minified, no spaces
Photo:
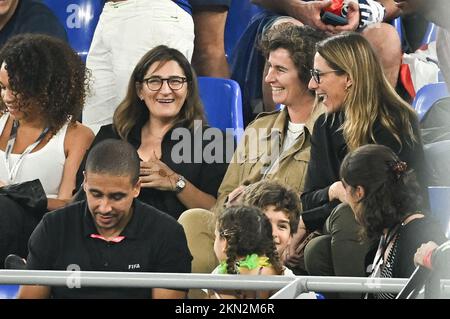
{"x":361,"y":108}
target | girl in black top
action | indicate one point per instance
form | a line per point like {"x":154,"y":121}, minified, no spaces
{"x":382,"y":193}
{"x":361,"y":108}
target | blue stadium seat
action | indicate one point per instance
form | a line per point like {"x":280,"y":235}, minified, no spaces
{"x":397,"y":24}
{"x":8,"y":291}
{"x":239,"y":15}
{"x":440,"y":206}
{"x":430,"y":34}
{"x":79,"y":18}
{"x":427,"y":96}
{"x":223,"y":103}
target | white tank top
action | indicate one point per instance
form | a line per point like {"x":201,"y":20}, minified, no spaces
{"x":46,"y":164}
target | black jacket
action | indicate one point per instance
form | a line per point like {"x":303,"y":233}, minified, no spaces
{"x":205,"y":176}
{"x":328,"y":149}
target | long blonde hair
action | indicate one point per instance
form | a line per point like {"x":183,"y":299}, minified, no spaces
{"x":370,"y":97}
{"x":132,"y":110}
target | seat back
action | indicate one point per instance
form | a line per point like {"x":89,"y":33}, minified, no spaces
{"x":427,"y":96}
{"x":223,"y":103}
{"x":440,"y":206}
{"x":9,"y":291}
{"x":79,"y":18}
{"x":430,"y":34}
{"x":397,"y":24}
{"x":239,"y":16}
{"x":437,"y":159}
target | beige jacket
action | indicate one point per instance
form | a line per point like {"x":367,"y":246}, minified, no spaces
{"x":255,"y":158}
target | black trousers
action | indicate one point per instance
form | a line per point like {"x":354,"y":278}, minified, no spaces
{"x":16,"y":226}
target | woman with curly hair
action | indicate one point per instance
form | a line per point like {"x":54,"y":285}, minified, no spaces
{"x":382,"y":192}
{"x":244,"y":245}
{"x":42,"y":84}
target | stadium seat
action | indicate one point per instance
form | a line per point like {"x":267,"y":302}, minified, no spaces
{"x":79,"y":18}
{"x":8,"y":291}
{"x":440,"y":206}
{"x":430,"y":34}
{"x":437,"y":158}
{"x":427,"y":96}
{"x":397,"y":24}
{"x":223,"y":103}
{"x":239,"y":15}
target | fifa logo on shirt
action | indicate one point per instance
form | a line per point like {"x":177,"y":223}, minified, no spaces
{"x":135,"y":266}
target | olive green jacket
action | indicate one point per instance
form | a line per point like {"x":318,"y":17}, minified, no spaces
{"x":259,"y":156}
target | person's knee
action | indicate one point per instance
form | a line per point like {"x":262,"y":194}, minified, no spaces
{"x":387,"y":46}
{"x":318,"y":261}
{"x":196,"y":221}
{"x":209,"y":35}
{"x":341,"y":219}
{"x":198,"y":225}
{"x":348,"y":250}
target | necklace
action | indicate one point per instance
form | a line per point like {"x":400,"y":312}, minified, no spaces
{"x":13,"y":169}
{"x":295,"y":131}
{"x":295,"y":128}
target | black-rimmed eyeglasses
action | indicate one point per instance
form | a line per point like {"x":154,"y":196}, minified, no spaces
{"x":155,"y":83}
{"x":316,"y":74}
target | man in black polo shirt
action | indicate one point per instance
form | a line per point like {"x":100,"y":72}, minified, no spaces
{"x":110,"y":231}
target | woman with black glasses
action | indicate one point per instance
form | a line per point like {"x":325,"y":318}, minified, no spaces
{"x":163,"y":117}
{"x":361,"y":108}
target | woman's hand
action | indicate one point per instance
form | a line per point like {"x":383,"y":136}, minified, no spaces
{"x":422,"y":252}
{"x":156,"y":174}
{"x":337,"y":191}
{"x":235,"y":196}
{"x":2,"y":183}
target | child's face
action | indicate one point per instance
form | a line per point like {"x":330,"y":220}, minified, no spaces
{"x":220,"y":245}
{"x":281,"y":229}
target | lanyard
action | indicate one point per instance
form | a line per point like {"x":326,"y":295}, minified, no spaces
{"x":12,"y":171}
{"x":382,"y":247}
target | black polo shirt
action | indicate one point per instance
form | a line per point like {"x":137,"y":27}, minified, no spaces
{"x":205,"y":176}
{"x":65,"y":238}
{"x":32,"y":17}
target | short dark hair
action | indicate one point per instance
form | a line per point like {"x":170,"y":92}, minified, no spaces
{"x":266,"y":193}
{"x":114,"y":157}
{"x":391,"y":191}
{"x":132,"y":109}
{"x":300,"y":41}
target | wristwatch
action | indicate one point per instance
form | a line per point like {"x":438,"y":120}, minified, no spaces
{"x":180,"y":184}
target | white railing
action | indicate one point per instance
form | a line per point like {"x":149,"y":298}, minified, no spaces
{"x":289,"y":287}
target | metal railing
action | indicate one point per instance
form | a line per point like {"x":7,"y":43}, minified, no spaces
{"x":288,"y":287}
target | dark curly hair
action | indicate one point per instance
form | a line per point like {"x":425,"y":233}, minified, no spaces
{"x":247,"y":231}
{"x":299,"y":41}
{"x":271,"y":193}
{"x":391,"y":191}
{"x":45,"y":72}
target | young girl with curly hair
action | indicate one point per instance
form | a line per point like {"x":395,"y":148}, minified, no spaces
{"x":244,"y":245}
